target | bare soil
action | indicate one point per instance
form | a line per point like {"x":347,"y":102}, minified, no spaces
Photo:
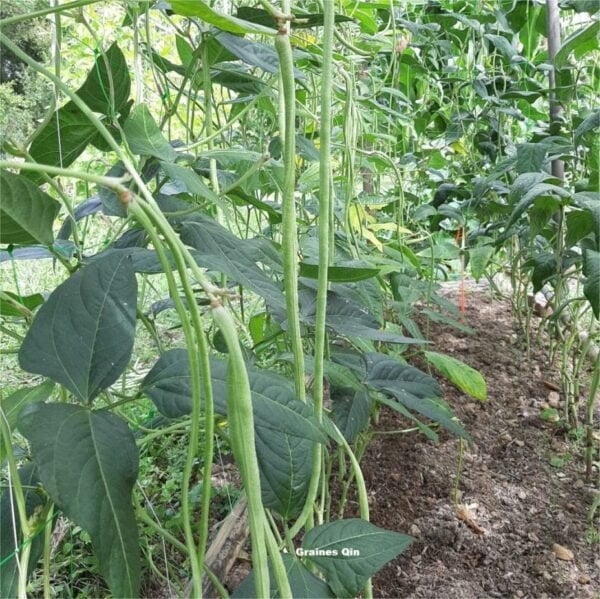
{"x":515,"y":505}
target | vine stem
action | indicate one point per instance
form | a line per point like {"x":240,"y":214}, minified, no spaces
{"x":290,"y":228}
{"x":46,"y":11}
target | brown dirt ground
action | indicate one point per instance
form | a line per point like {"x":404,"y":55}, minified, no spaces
{"x":522,"y":503}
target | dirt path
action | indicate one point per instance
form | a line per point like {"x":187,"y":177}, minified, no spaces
{"x":521,"y":502}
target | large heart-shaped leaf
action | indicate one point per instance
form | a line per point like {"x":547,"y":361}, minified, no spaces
{"x":96,"y":90}
{"x":462,"y":375}
{"x":350,"y":551}
{"x":88,"y":463}
{"x":26,"y":212}
{"x":144,"y":137}
{"x":62,"y":140}
{"x":82,"y":337}
{"x":11,"y":536}
{"x":218,"y":249}
{"x":284,"y":426}
{"x":303,"y":583}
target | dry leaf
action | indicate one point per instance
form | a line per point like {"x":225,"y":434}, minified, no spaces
{"x":463,"y":513}
{"x":562,"y":552}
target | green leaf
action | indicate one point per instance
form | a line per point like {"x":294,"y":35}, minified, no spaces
{"x":347,"y":317}
{"x":467,"y":379}
{"x":591,"y":287}
{"x":537,"y":190}
{"x":303,"y":584}
{"x":16,"y":401}
{"x":590,"y":123}
{"x":351,"y":411}
{"x":338,"y":274}
{"x":300,"y":20}
{"x":580,"y":223}
{"x":88,"y":463}
{"x":411,"y":387}
{"x":370,"y":548}
{"x":11,"y":537}
{"x":62,"y":140}
{"x":544,"y":268}
{"x":284,"y":426}
{"x":20,"y":305}
{"x":531,"y":157}
{"x":95,"y":91}
{"x":503,"y":46}
{"x":581,"y":41}
{"x":144,"y":137}
{"x":479,"y":258}
{"x":192,"y":182}
{"x":82,"y":337}
{"x":201,"y":9}
{"x":220,"y":250}
{"x":253,"y":53}
{"x":26,"y":212}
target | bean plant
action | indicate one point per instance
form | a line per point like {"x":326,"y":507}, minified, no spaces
{"x":277,"y":189}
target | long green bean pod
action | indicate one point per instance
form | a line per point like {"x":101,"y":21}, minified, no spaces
{"x":241,"y":425}
{"x":290,"y":228}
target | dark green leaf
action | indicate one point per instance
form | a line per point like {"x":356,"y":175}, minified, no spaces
{"x":220,"y":250}
{"x":26,"y":212}
{"x":370,"y":549}
{"x":544,"y":268}
{"x":144,"y":137}
{"x":82,"y":337}
{"x":96,"y":90}
{"x":351,"y":411}
{"x":580,"y":223}
{"x":338,"y":274}
{"x":253,"y":53}
{"x":413,"y":388}
{"x":192,"y":182}
{"x":531,"y":157}
{"x":88,"y":463}
{"x":62,"y":140}
{"x":350,"y":319}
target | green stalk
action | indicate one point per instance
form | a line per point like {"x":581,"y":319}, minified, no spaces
{"x":241,"y":425}
{"x":46,"y":11}
{"x":283,"y":584}
{"x":16,"y":490}
{"x":290,"y":228}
